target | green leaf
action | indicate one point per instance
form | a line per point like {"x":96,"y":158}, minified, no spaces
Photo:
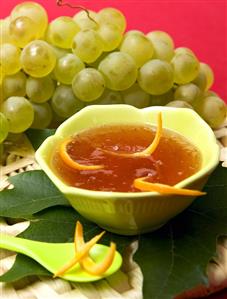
{"x":33,"y":191}
{"x":23,"y":267}
{"x":38,"y":136}
{"x":174,"y":258}
{"x":57,"y":225}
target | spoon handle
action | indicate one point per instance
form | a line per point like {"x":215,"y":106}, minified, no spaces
{"x":14,"y":244}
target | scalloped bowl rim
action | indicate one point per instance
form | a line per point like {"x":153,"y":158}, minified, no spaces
{"x":65,"y":189}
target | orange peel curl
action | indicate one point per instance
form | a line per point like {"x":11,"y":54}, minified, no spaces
{"x":87,"y":263}
{"x":70,"y":162}
{"x":143,"y":185}
{"x":147,"y":151}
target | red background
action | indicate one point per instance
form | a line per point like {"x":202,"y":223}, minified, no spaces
{"x":197,"y":24}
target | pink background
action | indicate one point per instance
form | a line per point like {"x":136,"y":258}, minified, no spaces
{"x":197,"y":24}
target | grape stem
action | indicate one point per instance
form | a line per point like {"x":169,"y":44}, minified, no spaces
{"x":62,"y":3}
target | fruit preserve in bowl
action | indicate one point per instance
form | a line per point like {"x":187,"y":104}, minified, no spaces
{"x":130,"y":170}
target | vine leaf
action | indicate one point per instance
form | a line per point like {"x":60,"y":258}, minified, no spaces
{"x":33,"y":191}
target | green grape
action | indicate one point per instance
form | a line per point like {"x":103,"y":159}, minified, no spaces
{"x":9,"y":59}
{"x":42,"y":115}
{"x":188,"y":93}
{"x":64,"y":102}
{"x":179,"y":104}
{"x":156,"y":77}
{"x":67,"y":67}
{"x":162,"y":99}
{"x":208,"y":72}
{"x":53,"y":77}
{"x":40,"y":90}
{"x":186,"y":67}
{"x":35,"y":12}
{"x":161,"y":36}
{"x":133,"y":32}
{"x":112,"y":16}
{"x":84,"y":22}
{"x":96,"y":63}
{"x":162,"y":50}
{"x":183,"y":50}
{"x":210,"y":93}
{"x":200,"y":81}
{"x":139,"y":47}
{"x":135,"y":96}
{"x":163,"y":45}
{"x":19,"y":112}
{"x":1,"y":93}
{"x":22,"y":31}
{"x":119,"y":70}
{"x":59,"y":52}
{"x":4,"y":31}
{"x":213,"y":110}
{"x":14,"y":85}
{"x":38,"y":58}
{"x":56,"y":120}
{"x":4,"y":125}
{"x":110,"y":35}
{"x":109,"y":97}
{"x":87,"y":45}
{"x":61,"y":32}
{"x":1,"y":78}
{"x":88,"y":85}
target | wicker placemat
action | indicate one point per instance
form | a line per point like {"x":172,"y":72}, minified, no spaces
{"x":130,"y":275}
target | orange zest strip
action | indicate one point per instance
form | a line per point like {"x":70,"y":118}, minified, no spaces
{"x":87,"y":263}
{"x":149,"y":150}
{"x":79,"y":242}
{"x":79,"y":255}
{"x":78,"y":236}
{"x":142,"y":185}
{"x":100,"y":268}
{"x":70,"y":162}
{"x":152,"y":147}
{"x":67,"y":266}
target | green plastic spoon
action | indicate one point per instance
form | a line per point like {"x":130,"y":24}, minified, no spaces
{"x":53,"y":256}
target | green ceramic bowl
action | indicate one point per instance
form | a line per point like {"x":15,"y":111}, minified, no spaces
{"x":132,"y":213}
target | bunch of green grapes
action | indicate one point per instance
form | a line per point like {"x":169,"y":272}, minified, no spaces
{"x":51,"y":70}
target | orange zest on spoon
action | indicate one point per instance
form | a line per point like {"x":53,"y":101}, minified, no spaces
{"x":82,"y":254}
{"x":143,"y":185}
{"x":79,"y":255}
{"x":87,"y":263}
{"x":70,"y":162}
{"x":149,"y":150}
